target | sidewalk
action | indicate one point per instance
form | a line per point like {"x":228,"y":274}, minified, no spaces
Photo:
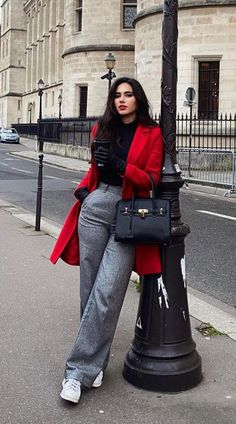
{"x":63,"y":162}
{"x":39,"y":317}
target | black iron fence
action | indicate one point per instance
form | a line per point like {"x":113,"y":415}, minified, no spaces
{"x":206,"y":150}
{"x":26,"y":129}
{"x":191,"y":132}
{"x":194,"y":133}
{"x":73,"y":131}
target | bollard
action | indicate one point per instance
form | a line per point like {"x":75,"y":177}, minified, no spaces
{"x":39,"y":193}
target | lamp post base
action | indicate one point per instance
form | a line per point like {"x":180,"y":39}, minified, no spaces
{"x":163,"y":374}
{"x":163,"y":355}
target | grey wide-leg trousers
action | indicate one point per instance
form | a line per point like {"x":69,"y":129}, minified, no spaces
{"x":105,"y":268}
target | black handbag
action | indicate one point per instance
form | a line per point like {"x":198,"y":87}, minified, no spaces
{"x":143,"y":220}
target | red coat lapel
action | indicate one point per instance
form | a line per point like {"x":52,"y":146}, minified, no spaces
{"x":138,"y":144}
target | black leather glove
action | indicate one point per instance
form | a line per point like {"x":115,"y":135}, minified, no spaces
{"x":106,"y":157}
{"x":81,"y":194}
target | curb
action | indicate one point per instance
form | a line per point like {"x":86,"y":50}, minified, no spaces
{"x":212,"y":311}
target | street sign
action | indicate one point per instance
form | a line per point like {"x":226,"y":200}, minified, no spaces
{"x":190,"y":94}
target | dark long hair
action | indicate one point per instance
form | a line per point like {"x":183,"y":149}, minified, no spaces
{"x":109,"y":122}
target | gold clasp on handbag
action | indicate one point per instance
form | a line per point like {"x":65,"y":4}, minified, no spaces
{"x":142,"y":212}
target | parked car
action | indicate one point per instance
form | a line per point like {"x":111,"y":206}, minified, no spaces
{"x":9,"y":135}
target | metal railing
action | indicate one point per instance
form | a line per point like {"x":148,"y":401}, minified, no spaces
{"x":26,"y":129}
{"x":212,"y":166}
{"x":206,"y":148}
{"x":217,"y":134}
{"x":191,"y":131}
{"x":73,"y":131}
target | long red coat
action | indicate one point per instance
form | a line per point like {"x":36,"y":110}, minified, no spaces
{"x":145,"y":156}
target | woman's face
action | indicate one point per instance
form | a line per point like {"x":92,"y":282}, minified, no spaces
{"x":125,"y":103}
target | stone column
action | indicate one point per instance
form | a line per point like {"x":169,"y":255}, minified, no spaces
{"x":53,"y":14}
{"x":46,"y":18}
{"x":28,"y":69}
{"x":39,"y":60}
{"x":59,"y":51}
{"x":33,"y":66}
{"x":52,"y":57}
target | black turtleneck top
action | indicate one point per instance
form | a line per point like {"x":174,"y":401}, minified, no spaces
{"x":108,"y":174}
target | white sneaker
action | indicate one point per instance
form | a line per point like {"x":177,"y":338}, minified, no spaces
{"x":71,"y":390}
{"x":98,"y":380}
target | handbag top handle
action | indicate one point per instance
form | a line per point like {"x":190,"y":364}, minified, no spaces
{"x":153,"y":194}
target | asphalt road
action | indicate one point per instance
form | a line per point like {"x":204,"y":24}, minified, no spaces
{"x":210,"y":247}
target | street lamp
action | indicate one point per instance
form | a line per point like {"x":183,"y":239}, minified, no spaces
{"x":30,"y":107}
{"x":59,"y":105}
{"x":110,"y":62}
{"x":40,"y":93}
{"x":40,"y":171}
{"x":163,"y":355}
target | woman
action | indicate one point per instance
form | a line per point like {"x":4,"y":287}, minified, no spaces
{"x":122,"y":165}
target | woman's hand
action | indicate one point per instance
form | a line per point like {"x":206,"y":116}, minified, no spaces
{"x":106,"y":157}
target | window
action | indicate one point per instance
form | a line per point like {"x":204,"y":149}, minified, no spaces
{"x":129,"y":13}
{"x":208,"y":91}
{"x":5,"y":80}
{"x":7,"y":11}
{"x":83,"y":101}
{"x":19,"y":104}
{"x":78,"y":12}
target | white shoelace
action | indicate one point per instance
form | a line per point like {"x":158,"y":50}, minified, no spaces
{"x":72,"y":384}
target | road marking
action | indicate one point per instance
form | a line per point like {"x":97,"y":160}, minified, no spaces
{"x":75,"y":182}
{"x":12,"y":159}
{"x":4,"y":164}
{"x":53,"y":178}
{"x":22,"y":170}
{"x":233,"y":218}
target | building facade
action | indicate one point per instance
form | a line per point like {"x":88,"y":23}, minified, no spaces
{"x":12,"y":61}
{"x":206,"y":54}
{"x":64,"y":42}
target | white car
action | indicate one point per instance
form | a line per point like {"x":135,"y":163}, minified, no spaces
{"x":9,"y":135}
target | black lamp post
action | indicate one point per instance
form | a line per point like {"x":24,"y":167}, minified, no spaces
{"x":110,"y":61}
{"x":59,"y":105}
{"x":30,"y":107}
{"x":40,"y":171}
{"x":40,"y":94}
{"x":163,"y":355}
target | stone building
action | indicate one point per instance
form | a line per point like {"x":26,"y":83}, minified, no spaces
{"x":206,"y":53}
{"x":12,"y":61}
{"x":64,"y":42}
